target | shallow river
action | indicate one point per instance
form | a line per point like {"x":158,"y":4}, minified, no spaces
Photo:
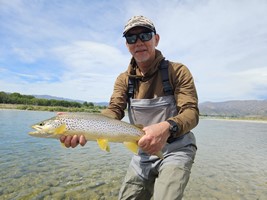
{"x":230,"y":163}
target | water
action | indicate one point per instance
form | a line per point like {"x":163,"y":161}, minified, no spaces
{"x":230,"y":163}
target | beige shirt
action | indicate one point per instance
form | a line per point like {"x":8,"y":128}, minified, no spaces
{"x":149,"y":86}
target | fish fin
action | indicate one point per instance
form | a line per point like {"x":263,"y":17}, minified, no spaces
{"x":160,"y":155}
{"x":109,"y":115}
{"x":103,"y":144}
{"x":132,"y":146}
{"x":63,"y":145}
{"x":139,"y":126}
{"x":61,"y":129}
{"x":61,"y":113}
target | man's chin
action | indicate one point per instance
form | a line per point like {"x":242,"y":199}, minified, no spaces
{"x":141,"y":59}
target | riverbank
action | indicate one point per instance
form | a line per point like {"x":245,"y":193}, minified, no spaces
{"x":97,"y":109}
{"x":94,"y":109}
{"x":261,"y":119}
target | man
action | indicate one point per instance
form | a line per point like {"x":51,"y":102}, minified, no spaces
{"x":162,"y":96}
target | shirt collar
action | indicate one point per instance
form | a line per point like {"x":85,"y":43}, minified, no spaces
{"x":134,"y":71}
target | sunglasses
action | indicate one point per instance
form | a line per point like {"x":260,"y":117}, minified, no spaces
{"x":132,"y":38}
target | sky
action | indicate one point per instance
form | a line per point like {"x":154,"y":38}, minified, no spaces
{"x":75,"y":49}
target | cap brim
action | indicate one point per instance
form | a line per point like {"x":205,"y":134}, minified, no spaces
{"x":143,"y":26}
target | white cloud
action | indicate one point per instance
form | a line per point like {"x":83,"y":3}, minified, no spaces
{"x":218,"y":41}
{"x":87,"y":56}
{"x":90,"y":69}
{"x":28,"y":55}
{"x":77,"y":50}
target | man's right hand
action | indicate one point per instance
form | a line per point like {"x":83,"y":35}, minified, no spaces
{"x":73,"y":141}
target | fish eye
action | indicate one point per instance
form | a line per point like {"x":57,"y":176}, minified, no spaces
{"x":41,"y":124}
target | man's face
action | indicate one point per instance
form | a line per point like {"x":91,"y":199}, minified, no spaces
{"x":143,"y":52}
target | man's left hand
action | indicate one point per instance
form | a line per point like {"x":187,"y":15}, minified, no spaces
{"x":155,"y":138}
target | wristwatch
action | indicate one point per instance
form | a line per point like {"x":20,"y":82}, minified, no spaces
{"x":174,"y":128}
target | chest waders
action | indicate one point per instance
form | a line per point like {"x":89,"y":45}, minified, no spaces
{"x":151,"y":111}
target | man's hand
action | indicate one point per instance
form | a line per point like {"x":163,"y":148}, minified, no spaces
{"x":73,"y":141}
{"x":155,"y":137}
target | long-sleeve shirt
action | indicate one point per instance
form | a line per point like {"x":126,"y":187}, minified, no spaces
{"x":150,"y":86}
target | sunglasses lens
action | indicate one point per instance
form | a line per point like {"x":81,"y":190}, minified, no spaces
{"x":131,"y":39}
{"x":145,"y":36}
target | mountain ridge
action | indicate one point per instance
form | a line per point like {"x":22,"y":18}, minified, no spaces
{"x":68,"y":99}
{"x":234,"y":108}
{"x":230,"y":108}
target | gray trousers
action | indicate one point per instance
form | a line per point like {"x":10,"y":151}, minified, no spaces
{"x":165,"y":181}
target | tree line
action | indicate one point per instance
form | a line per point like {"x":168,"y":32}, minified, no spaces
{"x":17,"y":98}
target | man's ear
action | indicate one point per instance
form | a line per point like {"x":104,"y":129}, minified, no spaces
{"x":127,"y":45}
{"x":157,"y":39}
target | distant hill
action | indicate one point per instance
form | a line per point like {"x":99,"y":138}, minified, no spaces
{"x":56,"y":98}
{"x":237,"y":108}
{"x":101,"y":103}
{"x":71,"y":100}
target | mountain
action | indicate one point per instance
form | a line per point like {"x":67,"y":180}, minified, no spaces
{"x":101,"y":103}
{"x":66,"y":99}
{"x":56,"y":98}
{"x":236,"y":108}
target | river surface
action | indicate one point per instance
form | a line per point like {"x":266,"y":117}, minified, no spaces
{"x":231,"y":163}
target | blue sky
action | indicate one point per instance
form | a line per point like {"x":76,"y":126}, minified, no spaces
{"x":75,"y":49}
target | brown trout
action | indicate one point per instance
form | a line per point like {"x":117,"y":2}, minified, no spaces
{"x":95,"y":127}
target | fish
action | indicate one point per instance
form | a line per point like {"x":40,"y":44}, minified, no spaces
{"x":94,"y":127}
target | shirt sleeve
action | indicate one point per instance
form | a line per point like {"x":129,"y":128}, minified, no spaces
{"x":186,"y":98}
{"x":118,"y":100}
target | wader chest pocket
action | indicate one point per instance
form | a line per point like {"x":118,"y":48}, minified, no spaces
{"x":152,"y":111}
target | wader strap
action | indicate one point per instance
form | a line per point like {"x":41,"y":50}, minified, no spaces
{"x":164,"y":70}
{"x":131,"y":84}
{"x":131,"y":87}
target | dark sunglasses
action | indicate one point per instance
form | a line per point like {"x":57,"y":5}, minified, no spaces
{"x":132,"y":38}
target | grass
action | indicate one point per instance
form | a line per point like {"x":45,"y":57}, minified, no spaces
{"x":50,"y":108}
{"x":98,"y":110}
{"x":247,"y":118}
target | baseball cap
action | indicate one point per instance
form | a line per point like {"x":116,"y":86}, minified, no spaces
{"x":136,"y":21}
